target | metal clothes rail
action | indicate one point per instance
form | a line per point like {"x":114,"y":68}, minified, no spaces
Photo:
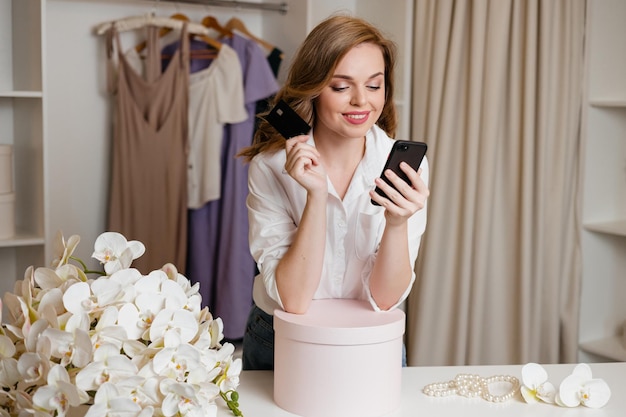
{"x":275,"y":7}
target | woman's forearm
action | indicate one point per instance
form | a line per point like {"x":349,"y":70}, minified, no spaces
{"x":392,"y":270}
{"x":298,"y":273}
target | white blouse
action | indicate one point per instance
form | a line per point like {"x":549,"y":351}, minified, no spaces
{"x":354,"y":226}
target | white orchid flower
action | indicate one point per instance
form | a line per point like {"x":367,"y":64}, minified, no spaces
{"x":580,"y":388}
{"x":175,"y":296}
{"x":176,"y":362}
{"x":70,"y":347}
{"x":137,"y":317}
{"x":106,"y":291}
{"x":109,"y":401}
{"x":51,"y":305}
{"x":180,"y":399}
{"x":225,"y":352}
{"x":59,"y":394}
{"x":70,"y":273}
{"x":206,"y":396}
{"x":24,"y":401}
{"x":194,"y":304}
{"x":108,"y":331}
{"x":157,"y":285}
{"x":217,"y":332}
{"x":171,"y":271}
{"x":34,"y":343}
{"x":61,"y":278}
{"x":535,"y":384}
{"x":21,"y":314}
{"x":108,"y":366}
{"x":7,"y":348}
{"x":173,"y":274}
{"x":62,"y":249}
{"x":33,"y":367}
{"x":9,"y":374}
{"x":230,"y":380}
{"x":143,"y":391}
{"x":126,"y":279}
{"x":134,"y":322}
{"x":115,"y":252}
{"x":79,"y":301}
{"x":182,"y":322}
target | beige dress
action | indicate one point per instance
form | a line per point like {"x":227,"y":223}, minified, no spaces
{"x":148,"y":190}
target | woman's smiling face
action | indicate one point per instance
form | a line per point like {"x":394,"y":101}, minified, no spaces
{"x":353,"y":101}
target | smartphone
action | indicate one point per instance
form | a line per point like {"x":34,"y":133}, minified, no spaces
{"x":408,"y":151}
{"x":286,"y":121}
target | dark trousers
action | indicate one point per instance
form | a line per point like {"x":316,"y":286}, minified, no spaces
{"x":258,"y":341}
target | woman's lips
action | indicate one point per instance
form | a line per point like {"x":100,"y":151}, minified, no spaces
{"x":356,"y":118}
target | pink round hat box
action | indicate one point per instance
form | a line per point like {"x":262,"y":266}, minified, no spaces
{"x":341,"y":358}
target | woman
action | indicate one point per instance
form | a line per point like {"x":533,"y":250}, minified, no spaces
{"x":314,"y":232}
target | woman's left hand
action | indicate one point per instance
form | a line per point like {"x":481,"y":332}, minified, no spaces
{"x":406,"y":199}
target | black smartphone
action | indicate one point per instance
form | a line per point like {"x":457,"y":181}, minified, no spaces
{"x":402,"y":150}
{"x":286,"y":121}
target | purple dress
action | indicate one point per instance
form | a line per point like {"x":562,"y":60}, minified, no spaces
{"x":218,"y":250}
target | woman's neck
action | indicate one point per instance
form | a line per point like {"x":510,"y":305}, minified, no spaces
{"x":340,"y":158}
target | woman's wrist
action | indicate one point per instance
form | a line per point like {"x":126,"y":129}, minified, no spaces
{"x":317,"y":197}
{"x":396,"y":224}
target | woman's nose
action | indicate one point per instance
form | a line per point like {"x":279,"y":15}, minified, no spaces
{"x":358,"y":97}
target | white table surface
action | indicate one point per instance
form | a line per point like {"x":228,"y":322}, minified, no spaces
{"x":256,"y":394}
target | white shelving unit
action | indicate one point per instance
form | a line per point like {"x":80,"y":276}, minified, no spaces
{"x":603,"y":311}
{"x":22,"y":126}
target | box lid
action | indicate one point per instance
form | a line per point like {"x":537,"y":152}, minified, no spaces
{"x":340,"y":322}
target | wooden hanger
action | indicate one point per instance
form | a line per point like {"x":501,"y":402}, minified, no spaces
{"x":212,"y":23}
{"x":209,"y":40}
{"x":137,"y":22}
{"x":236,"y":24}
{"x":164,"y":31}
{"x":175,"y":22}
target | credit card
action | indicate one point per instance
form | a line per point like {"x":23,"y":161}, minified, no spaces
{"x":286,"y":121}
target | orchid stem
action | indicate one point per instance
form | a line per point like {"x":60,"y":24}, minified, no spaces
{"x":85,"y":270}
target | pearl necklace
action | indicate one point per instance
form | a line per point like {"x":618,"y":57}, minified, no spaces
{"x":468,"y":385}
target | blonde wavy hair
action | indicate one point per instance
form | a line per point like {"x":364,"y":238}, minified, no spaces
{"x":312,"y":70}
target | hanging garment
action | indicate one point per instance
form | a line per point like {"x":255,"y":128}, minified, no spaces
{"x":219,"y":254}
{"x":148,"y":194}
{"x":215,"y":98}
{"x":274,"y":58}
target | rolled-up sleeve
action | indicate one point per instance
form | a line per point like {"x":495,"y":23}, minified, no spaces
{"x":272,"y":227}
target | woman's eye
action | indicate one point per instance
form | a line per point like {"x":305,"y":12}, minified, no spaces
{"x":373,"y":87}
{"x":339,"y":88}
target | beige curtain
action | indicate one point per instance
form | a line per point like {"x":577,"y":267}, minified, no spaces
{"x":497,"y":96}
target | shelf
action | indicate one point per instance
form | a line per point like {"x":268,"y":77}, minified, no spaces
{"x":22,"y":240}
{"x":608,"y":102}
{"x":21,"y":94}
{"x":616,"y":227}
{"x":610,"y":347}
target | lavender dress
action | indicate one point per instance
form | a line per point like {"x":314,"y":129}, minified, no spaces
{"x":218,"y":251}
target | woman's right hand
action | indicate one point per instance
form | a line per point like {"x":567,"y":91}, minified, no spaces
{"x":303,"y":164}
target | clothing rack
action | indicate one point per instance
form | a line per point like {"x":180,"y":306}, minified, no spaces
{"x":275,"y":7}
